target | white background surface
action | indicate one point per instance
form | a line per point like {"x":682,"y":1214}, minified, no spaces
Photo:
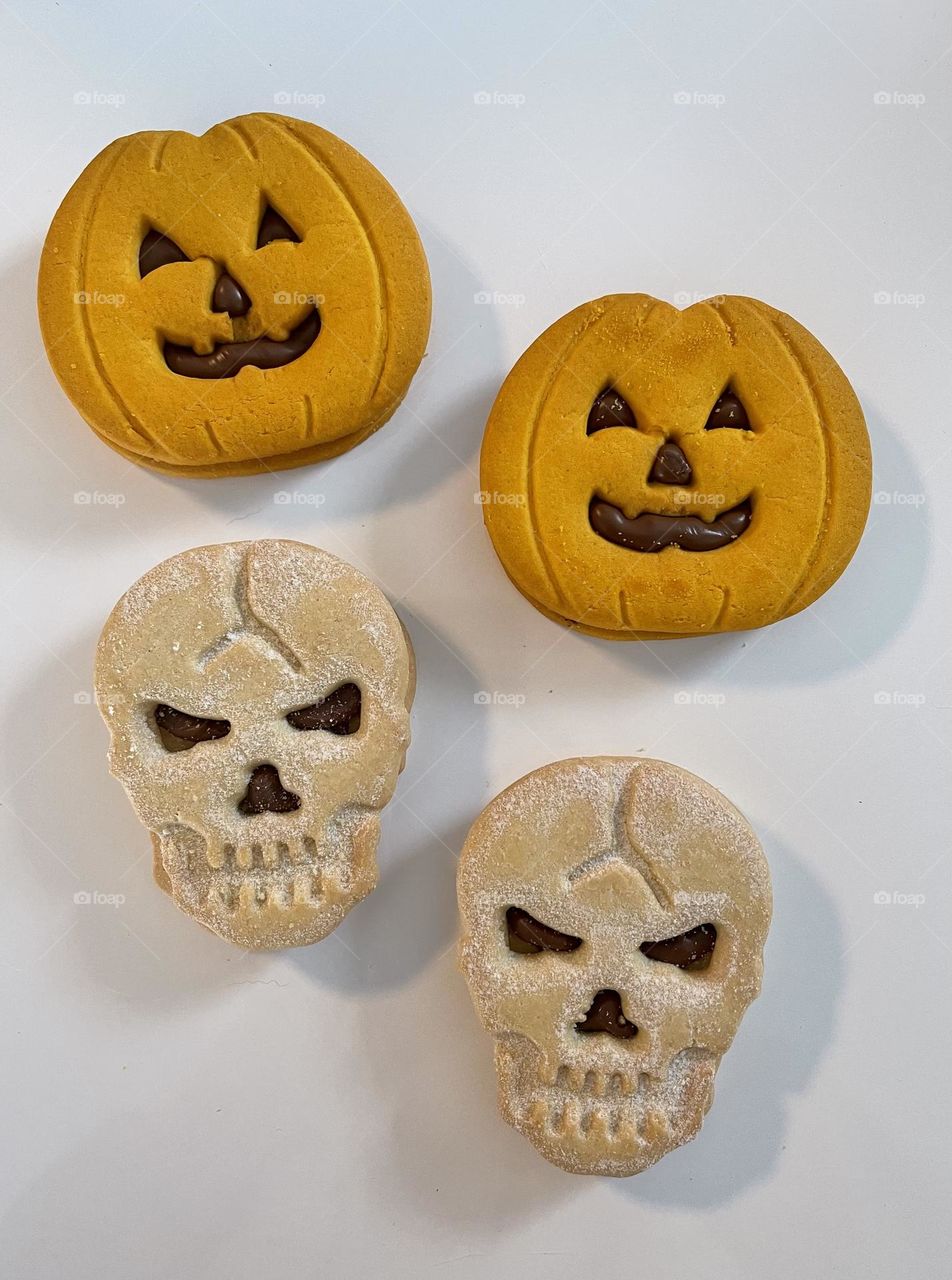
{"x":174,"y":1108}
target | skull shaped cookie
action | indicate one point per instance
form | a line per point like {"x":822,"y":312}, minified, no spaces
{"x":257,"y":695}
{"x":653,"y":472}
{"x":250,"y":299}
{"x":614,"y":913}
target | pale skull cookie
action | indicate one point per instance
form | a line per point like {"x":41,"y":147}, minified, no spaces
{"x":251,"y":299}
{"x":651,"y":472}
{"x":614,"y":913}
{"x":257,"y":695}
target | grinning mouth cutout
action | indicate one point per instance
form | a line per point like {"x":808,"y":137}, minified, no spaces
{"x":229,"y":358}
{"x":652,"y":532}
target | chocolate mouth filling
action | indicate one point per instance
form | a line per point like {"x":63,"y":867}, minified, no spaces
{"x":651,"y":532}
{"x":228,"y":358}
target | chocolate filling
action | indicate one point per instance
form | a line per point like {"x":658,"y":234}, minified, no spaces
{"x":691,"y":950}
{"x":186,"y":729}
{"x":266,"y":794}
{"x":338,"y":713}
{"x":527,"y":935}
{"x":606,"y":1014}
{"x":651,"y":532}
{"x":228,"y":358}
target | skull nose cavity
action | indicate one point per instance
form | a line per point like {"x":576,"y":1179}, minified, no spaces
{"x":606,"y":1014}
{"x":229,"y":296}
{"x":265,"y":794}
{"x":670,"y":466}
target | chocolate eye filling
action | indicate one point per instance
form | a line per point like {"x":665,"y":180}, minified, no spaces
{"x":179,"y":731}
{"x":651,"y":531}
{"x":229,"y":358}
{"x":338,"y":712}
{"x":528,"y":936}
{"x":690,"y":950}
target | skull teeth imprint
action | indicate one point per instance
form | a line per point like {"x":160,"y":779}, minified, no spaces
{"x":257,"y":697}
{"x":642,"y":901}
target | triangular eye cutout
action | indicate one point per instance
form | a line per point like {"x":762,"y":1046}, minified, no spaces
{"x":158,"y":250}
{"x":273,"y":227}
{"x":691,"y":950}
{"x":338,"y":712}
{"x":528,"y":936}
{"x":610,"y":409}
{"x":179,"y":731}
{"x":728,"y":412}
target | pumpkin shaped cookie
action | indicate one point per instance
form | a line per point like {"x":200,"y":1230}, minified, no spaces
{"x":652,"y":472}
{"x":251,"y":299}
{"x":614,"y":913}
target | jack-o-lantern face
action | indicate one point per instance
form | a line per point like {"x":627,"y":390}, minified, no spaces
{"x":650,"y":472}
{"x":251,"y":299}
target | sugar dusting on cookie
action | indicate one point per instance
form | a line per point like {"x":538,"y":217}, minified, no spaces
{"x":242,"y":635}
{"x":617,"y":853}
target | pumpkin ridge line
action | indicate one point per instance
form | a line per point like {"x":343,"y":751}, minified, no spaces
{"x":132,"y":422}
{"x":578,"y":332}
{"x":367,"y":228}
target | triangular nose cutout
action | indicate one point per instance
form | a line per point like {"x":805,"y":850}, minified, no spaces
{"x":230,"y":297}
{"x":606,"y":1014}
{"x":265,"y":794}
{"x":670,"y":466}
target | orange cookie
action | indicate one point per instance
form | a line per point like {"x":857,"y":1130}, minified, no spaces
{"x":251,"y":299}
{"x":651,"y":472}
{"x":257,"y":696}
{"x":614,"y":913}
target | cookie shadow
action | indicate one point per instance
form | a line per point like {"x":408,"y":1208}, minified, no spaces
{"x":91,"y":859}
{"x":410,"y":918}
{"x":777,"y":1051}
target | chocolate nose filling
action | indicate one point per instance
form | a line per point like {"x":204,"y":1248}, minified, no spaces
{"x":606,"y":1014}
{"x":650,"y":531}
{"x":265,"y":794}
{"x":228,"y":358}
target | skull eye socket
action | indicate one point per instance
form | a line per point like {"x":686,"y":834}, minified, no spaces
{"x":158,"y":250}
{"x":610,"y":409}
{"x":338,"y":712}
{"x":728,"y":412}
{"x":180,"y":732}
{"x":274,"y":227}
{"x":690,"y":950}
{"x":528,"y":936}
